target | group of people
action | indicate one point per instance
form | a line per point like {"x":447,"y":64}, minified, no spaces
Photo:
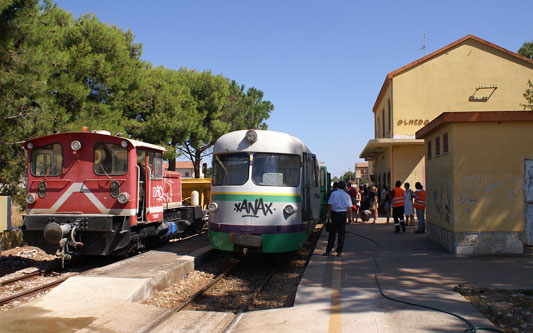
{"x":345,"y":202}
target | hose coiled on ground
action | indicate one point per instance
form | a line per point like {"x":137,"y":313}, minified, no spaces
{"x":472,"y":327}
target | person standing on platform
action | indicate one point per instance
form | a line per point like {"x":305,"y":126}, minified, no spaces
{"x":386,"y":200}
{"x":338,"y":205}
{"x":397,"y":207}
{"x":374,"y":202}
{"x":408,"y":205}
{"x":352,"y":191}
{"x":420,"y":206}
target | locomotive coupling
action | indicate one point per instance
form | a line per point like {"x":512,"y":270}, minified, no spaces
{"x":53,"y":232}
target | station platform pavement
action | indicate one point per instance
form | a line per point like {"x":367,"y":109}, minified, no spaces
{"x":336,"y":294}
{"x":340,"y":294}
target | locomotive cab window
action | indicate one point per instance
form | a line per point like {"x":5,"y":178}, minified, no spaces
{"x":276,"y":169}
{"x":47,"y":160}
{"x":230,"y":169}
{"x":110,"y":159}
{"x":155,"y":161}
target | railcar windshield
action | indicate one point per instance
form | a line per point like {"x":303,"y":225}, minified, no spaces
{"x":110,"y":159}
{"x":276,"y":169}
{"x":231,"y":169}
{"x":47,"y":160}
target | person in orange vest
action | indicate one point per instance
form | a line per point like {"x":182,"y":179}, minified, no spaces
{"x":420,"y":206}
{"x":397,"y":207}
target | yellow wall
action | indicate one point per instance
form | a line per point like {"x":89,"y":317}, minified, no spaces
{"x":383,"y":106}
{"x":440,"y":183}
{"x":484,"y":192}
{"x":408,"y":165}
{"x":446,"y":83}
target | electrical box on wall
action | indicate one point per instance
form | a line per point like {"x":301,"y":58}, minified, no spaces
{"x":5,"y":213}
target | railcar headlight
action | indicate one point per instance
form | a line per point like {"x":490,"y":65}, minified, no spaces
{"x":213,"y":206}
{"x":75,"y":145}
{"x":289,"y":209}
{"x":31,"y":198}
{"x":123,"y":197}
{"x":251,"y":136}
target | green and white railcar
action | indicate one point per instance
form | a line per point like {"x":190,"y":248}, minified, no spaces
{"x":265,"y":194}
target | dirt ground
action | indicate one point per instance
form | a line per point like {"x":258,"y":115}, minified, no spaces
{"x":510,"y":310}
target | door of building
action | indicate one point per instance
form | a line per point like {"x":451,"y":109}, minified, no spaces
{"x":528,"y":198}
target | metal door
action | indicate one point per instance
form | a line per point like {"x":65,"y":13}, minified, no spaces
{"x":528,"y":198}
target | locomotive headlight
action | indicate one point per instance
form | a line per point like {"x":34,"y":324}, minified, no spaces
{"x":30,"y":145}
{"x":289,"y":209}
{"x":31,"y":198}
{"x":114,"y":189}
{"x":124,"y":144}
{"x":75,"y":145}
{"x":42,"y":190}
{"x":251,"y":136}
{"x":123,"y":197}
{"x":213,"y":206}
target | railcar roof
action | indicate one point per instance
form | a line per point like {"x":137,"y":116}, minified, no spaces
{"x":135,"y":143}
{"x":267,"y":141}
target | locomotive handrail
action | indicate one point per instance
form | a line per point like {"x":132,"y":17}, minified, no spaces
{"x":149,"y":188}
{"x":138,"y":185}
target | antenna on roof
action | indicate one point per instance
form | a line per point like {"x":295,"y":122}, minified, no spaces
{"x":424,"y":46}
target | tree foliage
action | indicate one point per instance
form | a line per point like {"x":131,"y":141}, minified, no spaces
{"x":526,"y":50}
{"x":348,"y":176}
{"x":59,"y":73}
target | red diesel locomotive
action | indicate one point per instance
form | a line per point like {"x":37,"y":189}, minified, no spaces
{"x":99,"y":194}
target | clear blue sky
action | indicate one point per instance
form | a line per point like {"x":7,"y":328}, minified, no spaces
{"x":321,"y":63}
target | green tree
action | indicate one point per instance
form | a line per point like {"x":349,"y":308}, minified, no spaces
{"x":25,"y":67}
{"x":526,"y":50}
{"x":165,"y":112}
{"x":58,"y":74}
{"x":210,"y":93}
{"x":348,"y":176}
{"x":246,"y":110}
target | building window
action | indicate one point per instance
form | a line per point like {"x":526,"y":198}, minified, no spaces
{"x":383,"y":122}
{"x":390,"y":116}
{"x":377,"y":128}
{"x":437,"y":146}
{"x":429,"y":149}
{"x":445,"y":143}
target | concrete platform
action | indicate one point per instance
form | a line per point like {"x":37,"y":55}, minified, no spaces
{"x":341,"y":294}
{"x":335,"y":294}
{"x":105,"y":299}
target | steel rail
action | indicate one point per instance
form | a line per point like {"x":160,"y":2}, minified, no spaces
{"x":22,"y":277}
{"x":35,"y":290}
{"x":186,"y":304}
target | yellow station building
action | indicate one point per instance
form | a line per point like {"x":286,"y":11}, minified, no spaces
{"x":468,"y":75}
{"x":479,"y":172}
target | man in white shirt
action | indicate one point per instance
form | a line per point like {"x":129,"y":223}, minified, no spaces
{"x":338,"y":204}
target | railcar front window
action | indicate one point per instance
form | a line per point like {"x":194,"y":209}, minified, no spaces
{"x":276,"y":169}
{"x":110,"y":159}
{"x":231,"y":169}
{"x":47,"y":160}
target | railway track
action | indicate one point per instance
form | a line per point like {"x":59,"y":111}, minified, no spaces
{"x":208,"y":297}
{"x":30,"y":291}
